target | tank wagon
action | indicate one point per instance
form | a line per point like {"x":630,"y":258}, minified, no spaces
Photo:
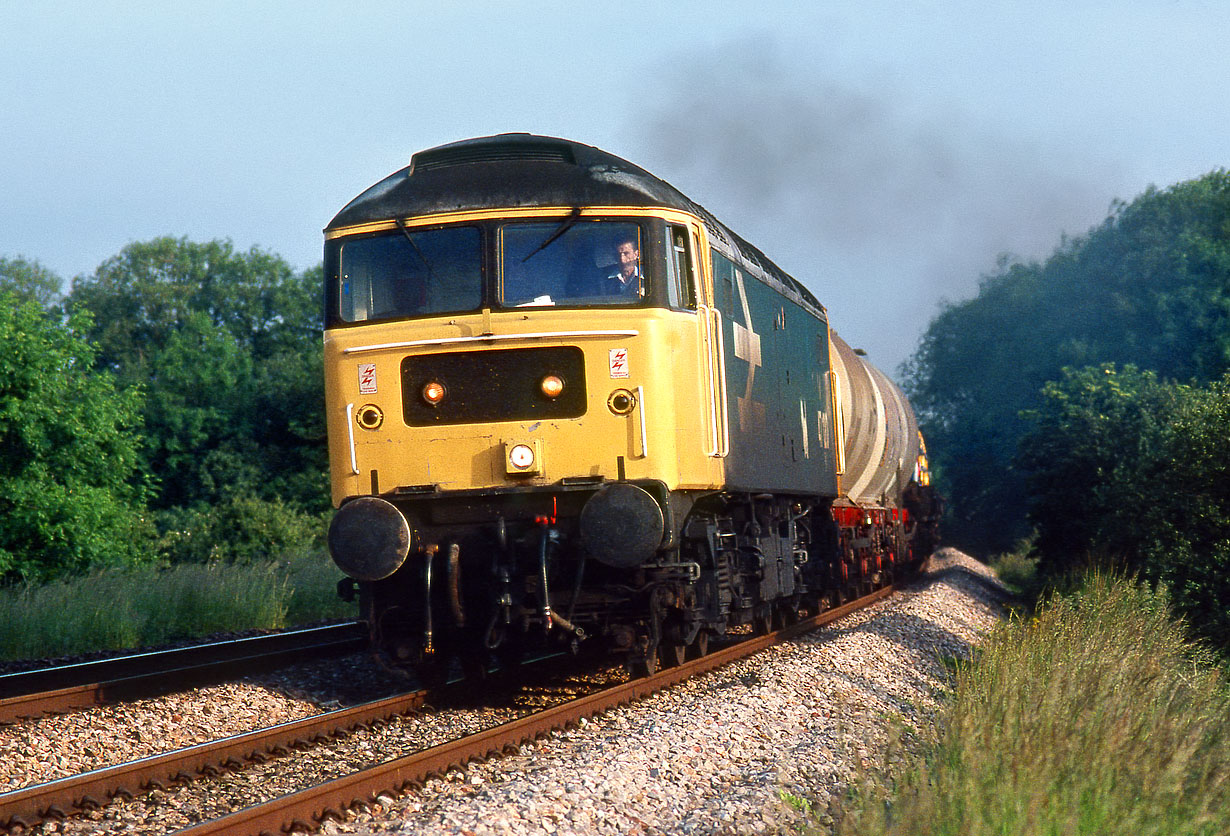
{"x":567,"y":406}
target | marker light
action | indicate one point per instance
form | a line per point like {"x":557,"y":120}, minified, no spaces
{"x":621,"y":402}
{"x":433,"y":392}
{"x":370,"y":416}
{"x":521,"y":456}
{"x":552,"y":386}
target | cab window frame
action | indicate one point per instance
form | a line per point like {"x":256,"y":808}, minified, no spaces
{"x":567,"y":295}
{"x":335,"y":281}
{"x":679,"y":251}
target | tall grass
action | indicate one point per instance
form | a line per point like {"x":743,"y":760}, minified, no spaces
{"x":127,"y":609}
{"x":1097,"y":716}
{"x":1019,"y":572}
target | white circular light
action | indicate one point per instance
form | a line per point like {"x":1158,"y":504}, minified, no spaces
{"x":521,"y":456}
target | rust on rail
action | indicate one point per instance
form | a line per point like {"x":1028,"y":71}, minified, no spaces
{"x":57,"y":690}
{"x":36,"y":803}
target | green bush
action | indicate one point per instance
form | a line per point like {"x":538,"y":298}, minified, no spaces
{"x":71,"y":496}
{"x":237,"y":530}
{"x":1131,"y":471}
{"x":1018,"y":569}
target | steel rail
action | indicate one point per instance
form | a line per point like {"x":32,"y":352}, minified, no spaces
{"x":30,"y":694}
{"x":91,"y":790}
{"x":309,"y":808}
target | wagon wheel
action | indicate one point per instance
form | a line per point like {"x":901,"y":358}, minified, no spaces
{"x":433,"y":673}
{"x":786,"y":614}
{"x":508,"y":652}
{"x":474,"y":666}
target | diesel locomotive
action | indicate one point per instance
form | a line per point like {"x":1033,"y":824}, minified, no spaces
{"x":567,"y":407}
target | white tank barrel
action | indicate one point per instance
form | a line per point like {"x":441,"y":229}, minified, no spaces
{"x":879,"y":430}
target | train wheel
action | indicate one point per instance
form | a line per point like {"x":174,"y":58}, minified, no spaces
{"x":672,"y":655}
{"x":786,"y":614}
{"x":643,"y":666}
{"x":762,"y":622}
{"x":837,"y":595}
{"x":699,"y":647}
{"x":474,"y":667}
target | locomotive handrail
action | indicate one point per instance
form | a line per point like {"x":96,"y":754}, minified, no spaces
{"x":354,"y":460}
{"x":640,"y":408}
{"x":483,"y":338}
{"x":713,"y":450}
{"x":721,"y":406}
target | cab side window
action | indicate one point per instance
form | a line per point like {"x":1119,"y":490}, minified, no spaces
{"x":682,"y":282}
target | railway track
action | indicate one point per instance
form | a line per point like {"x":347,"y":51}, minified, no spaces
{"x":308,"y":808}
{"x":31,"y":694}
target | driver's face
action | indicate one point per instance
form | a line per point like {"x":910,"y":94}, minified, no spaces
{"x":629,"y":255}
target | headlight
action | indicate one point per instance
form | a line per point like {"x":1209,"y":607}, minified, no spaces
{"x":433,"y":392}
{"x":521,"y":456}
{"x":621,"y":402}
{"x":552,"y":386}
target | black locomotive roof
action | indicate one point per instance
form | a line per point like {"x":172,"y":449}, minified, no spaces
{"x":525,"y":170}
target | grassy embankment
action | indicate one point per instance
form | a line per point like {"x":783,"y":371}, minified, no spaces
{"x":1093,"y":715}
{"x":113,"y":610}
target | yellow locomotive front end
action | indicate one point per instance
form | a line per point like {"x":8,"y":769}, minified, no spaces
{"x":456,"y":369}
{"x":510,"y":392}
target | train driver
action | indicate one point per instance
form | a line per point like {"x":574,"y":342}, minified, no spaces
{"x":626,"y":279}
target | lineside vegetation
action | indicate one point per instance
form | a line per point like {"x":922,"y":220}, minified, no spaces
{"x":119,"y":608}
{"x":162,"y":461}
{"x":1097,"y":715}
{"x":1149,"y":287}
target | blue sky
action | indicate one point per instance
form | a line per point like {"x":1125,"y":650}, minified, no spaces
{"x":884,"y":153}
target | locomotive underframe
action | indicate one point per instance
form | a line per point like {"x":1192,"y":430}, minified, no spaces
{"x":492,"y":577}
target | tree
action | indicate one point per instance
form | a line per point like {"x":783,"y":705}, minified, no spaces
{"x":29,"y":281}
{"x":1149,"y":287}
{"x":1130,"y":470}
{"x":227,"y":347}
{"x":71,"y":494}
{"x":976,"y":369}
{"x":1092,"y":454}
{"x":1185,"y":521}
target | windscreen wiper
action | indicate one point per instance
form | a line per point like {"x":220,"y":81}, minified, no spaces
{"x":559,"y":230}
{"x":402,"y":226}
